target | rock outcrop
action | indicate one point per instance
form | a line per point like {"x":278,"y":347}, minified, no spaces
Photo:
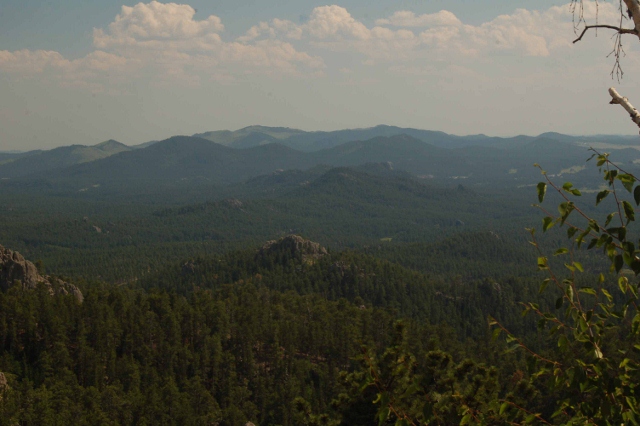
{"x":295,"y":244}
{"x":14,"y":269}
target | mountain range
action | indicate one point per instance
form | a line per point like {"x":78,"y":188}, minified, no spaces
{"x":218,"y":159}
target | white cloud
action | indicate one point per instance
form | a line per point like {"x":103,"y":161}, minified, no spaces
{"x":30,"y":62}
{"x":335,"y":22}
{"x":165,"y":40}
{"x":156,"y":21}
{"x":521,"y":33}
{"x":405,"y":18}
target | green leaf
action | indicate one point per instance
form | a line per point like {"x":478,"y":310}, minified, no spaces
{"x":588,"y":290}
{"x":623,"y":284}
{"x":569,"y":292}
{"x":542,"y":190}
{"x":504,"y":407}
{"x":609,"y":218}
{"x":571,"y":232}
{"x":602,"y":159}
{"x":636,"y":195}
{"x":560,"y":251}
{"x":547,"y":223}
{"x":627,"y":181}
{"x":618,"y":262}
{"x":559,"y":302}
{"x":542,"y":263}
{"x":544,"y":285}
{"x":496,"y":333}
{"x":565,"y":210}
{"x":598,"y":353}
{"x":629,"y":212}
{"x":563,"y":342}
{"x":578,"y":266}
{"x":601,"y":196}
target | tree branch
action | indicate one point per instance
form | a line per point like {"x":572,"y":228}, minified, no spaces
{"x":619,"y":30}
{"x":616,"y":99}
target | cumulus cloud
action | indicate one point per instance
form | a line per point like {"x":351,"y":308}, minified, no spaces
{"x":165,"y":39}
{"x":158,"y":26}
{"x":335,"y":22}
{"x":78,"y":72}
{"x":405,"y":18}
{"x":406,"y":36}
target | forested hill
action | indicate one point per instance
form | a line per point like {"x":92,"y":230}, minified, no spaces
{"x":269,"y":335}
{"x":338,"y":207}
{"x":304,"y":267}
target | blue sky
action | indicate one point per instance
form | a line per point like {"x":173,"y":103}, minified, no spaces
{"x":86,"y":71}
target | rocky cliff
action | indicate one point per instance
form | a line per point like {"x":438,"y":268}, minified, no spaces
{"x":15,"y":269}
{"x":294,"y":244}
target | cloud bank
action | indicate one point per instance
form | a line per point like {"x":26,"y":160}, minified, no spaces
{"x":164,"y":42}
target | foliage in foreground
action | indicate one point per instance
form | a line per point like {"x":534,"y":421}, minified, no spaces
{"x":589,"y":375}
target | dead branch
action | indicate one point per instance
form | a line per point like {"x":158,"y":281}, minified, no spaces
{"x":616,"y":99}
{"x":611,"y":27}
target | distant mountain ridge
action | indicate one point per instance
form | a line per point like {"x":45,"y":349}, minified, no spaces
{"x":317,"y":140}
{"x":58,"y":158}
{"x":185,"y":163}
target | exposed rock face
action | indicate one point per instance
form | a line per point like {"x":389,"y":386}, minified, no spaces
{"x":15,"y":268}
{"x":233,"y":202}
{"x":309,"y":250}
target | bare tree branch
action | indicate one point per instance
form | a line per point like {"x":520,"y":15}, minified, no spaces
{"x":611,"y":27}
{"x":630,"y":8}
{"x":616,"y":99}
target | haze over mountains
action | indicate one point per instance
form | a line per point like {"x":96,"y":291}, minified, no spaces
{"x":221,"y":158}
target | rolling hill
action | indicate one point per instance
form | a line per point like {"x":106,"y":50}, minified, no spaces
{"x":40,"y":162}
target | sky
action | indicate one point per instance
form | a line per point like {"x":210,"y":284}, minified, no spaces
{"x":85,"y":71}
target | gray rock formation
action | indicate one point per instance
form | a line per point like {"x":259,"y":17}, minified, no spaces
{"x":14,"y":269}
{"x":234,"y":202}
{"x":309,"y":250}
